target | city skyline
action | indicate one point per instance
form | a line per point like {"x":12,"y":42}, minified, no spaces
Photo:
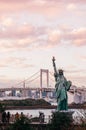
{"x":33,"y":31}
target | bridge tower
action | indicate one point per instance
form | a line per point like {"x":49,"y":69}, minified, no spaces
{"x":24,"y":92}
{"x":41,"y":77}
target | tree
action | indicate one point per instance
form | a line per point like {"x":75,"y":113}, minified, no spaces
{"x":61,"y":121}
{"x":2,"y":108}
{"x":23,"y":123}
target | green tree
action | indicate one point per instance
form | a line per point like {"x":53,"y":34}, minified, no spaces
{"x":23,"y":123}
{"x":61,"y":121}
{"x":2,"y":108}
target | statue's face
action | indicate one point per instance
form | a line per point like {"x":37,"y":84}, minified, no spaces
{"x":60,"y":72}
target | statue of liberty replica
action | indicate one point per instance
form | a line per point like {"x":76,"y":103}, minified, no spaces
{"x":62,"y":86}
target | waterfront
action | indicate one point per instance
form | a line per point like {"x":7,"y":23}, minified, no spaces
{"x":33,"y":112}
{"x":78,"y":113}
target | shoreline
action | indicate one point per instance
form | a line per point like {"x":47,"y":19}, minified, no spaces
{"x":30,"y":107}
{"x":41,"y":107}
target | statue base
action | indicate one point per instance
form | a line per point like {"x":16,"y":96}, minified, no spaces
{"x":76,"y":114}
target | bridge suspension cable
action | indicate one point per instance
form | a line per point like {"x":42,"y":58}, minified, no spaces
{"x":27,"y":78}
{"x":32,"y":76}
{"x":35,"y":76}
{"x":33,"y":79}
{"x":52,"y":79}
{"x":51,"y":74}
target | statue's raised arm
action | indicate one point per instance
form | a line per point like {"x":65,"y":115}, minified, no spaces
{"x":55,"y":70}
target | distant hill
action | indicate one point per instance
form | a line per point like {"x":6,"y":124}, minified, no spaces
{"x":78,"y":106}
{"x":30,"y":103}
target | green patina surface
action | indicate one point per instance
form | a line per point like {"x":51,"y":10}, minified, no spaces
{"x":62,"y":86}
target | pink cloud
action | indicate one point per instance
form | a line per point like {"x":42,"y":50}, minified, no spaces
{"x":36,"y":5}
{"x":79,"y":33}
{"x":13,"y":61}
{"x":74,"y":34}
{"x":48,"y":9}
{"x":41,"y":1}
{"x":17,"y":32}
{"x":27,"y":36}
{"x":66,"y":34}
{"x":20,"y":62}
{"x":17,"y":45}
{"x":54,"y":37}
{"x":21,"y":37}
{"x":77,"y":37}
{"x":79,"y":42}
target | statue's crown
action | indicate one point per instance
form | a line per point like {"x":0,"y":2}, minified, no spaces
{"x":60,"y":71}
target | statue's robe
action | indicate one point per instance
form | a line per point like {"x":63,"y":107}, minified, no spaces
{"x":62,"y":86}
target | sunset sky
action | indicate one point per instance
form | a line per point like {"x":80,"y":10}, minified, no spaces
{"x":33,"y":31}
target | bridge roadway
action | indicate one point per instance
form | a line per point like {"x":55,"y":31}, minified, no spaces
{"x":49,"y":89}
{"x":27,"y":88}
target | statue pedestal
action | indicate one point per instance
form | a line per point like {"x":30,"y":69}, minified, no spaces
{"x":78,"y":115}
{"x":70,"y":112}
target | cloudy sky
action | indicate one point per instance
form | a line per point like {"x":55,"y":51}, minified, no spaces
{"x":33,"y":31}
